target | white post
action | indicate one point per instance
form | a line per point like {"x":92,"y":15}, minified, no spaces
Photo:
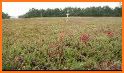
{"x":67,"y":17}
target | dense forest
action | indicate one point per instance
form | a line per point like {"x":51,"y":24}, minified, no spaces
{"x":82,"y":12}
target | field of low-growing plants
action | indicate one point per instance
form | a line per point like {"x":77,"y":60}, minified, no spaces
{"x":51,"y":43}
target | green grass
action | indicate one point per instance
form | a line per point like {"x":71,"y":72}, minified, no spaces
{"x":54,"y":44}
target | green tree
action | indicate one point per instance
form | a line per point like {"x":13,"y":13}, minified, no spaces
{"x":5,"y":16}
{"x":118,"y":11}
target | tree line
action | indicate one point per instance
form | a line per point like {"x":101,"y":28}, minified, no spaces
{"x":5,"y":16}
{"x":82,"y":12}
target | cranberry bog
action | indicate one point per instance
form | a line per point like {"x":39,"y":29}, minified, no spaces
{"x":52,"y":43}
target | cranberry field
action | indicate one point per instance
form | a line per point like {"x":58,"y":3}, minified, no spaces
{"x":53,"y":43}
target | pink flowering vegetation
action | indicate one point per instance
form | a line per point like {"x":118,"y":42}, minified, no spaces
{"x":104,"y":34}
{"x":84,"y":37}
{"x":109,"y":33}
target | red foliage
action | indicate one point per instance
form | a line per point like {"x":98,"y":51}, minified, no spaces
{"x":109,"y":33}
{"x":84,"y":38}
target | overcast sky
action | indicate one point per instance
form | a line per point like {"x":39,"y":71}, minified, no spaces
{"x":18,"y":8}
